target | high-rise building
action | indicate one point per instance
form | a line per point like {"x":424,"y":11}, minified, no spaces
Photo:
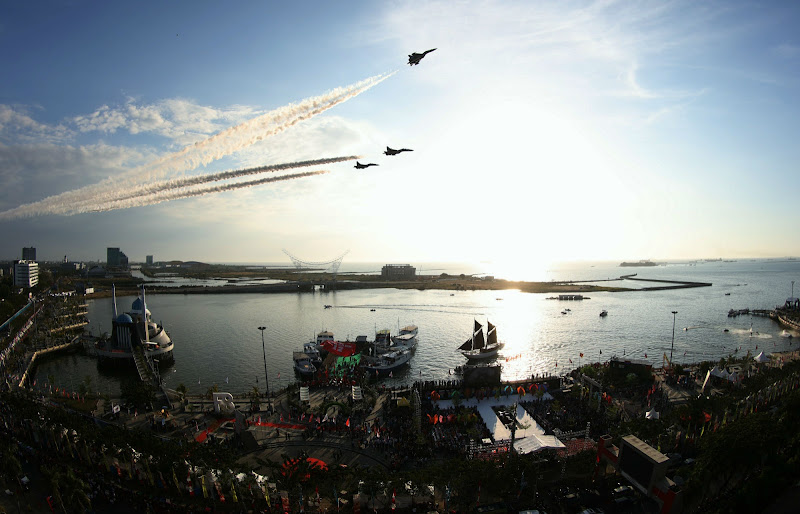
{"x":116,"y":258}
{"x":26,"y":273}
{"x":29,"y":254}
{"x":149,"y":260}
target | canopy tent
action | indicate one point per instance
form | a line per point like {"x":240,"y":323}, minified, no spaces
{"x":652,"y":414}
{"x":761,"y":358}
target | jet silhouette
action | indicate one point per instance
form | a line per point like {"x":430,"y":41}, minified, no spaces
{"x":392,"y":151}
{"x":415,"y":58}
{"x":360,"y":166}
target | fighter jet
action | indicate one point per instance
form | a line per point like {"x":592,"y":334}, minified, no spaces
{"x":415,"y":58}
{"x":360,"y":166}
{"x":392,"y":151}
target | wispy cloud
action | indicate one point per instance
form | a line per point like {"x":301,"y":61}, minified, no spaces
{"x":180,"y":120}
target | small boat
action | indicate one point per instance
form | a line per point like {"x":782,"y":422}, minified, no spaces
{"x":372,"y":310}
{"x":328,"y":306}
{"x":476,"y":348}
{"x":303,"y":365}
{"x":603,"y":313}
{"x":387,"y":363}
{"x":563,"y":312}
{"x":727,"y":294}
{"x":313,"y":353}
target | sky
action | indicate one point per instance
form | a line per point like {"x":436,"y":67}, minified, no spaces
{"x":542,"y":131}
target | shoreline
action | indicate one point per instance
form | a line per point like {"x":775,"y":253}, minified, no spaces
{"x":441,"y":284}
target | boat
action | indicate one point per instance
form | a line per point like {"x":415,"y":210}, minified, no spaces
{"x":386,"y":363}
{"x":404,"y":342}
{"x":133,"y":330}
{"x":328,"y":306}
{"x":313,"y":353}
{"x":476,"y":348}
{"x":603,"y":313}
{"x":303,"y":365}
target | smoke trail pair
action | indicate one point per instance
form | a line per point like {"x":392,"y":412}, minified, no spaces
{"x":202,"y":152}
{"x":169,"y":195}
{"x":178,"y":183}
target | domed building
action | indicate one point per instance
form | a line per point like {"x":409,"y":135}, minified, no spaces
{"x":135,"y":329}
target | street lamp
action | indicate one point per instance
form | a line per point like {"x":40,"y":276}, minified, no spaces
{"x":673,"y":338}
{"x":266,"y":377}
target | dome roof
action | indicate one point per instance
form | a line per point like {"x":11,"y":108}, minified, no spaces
{"x":137,"y":304}
{"x":124,"y":318}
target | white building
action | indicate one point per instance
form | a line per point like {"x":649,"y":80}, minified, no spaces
{"x":26,"y":273}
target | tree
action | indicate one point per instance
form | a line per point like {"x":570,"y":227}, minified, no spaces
{"x":182,"y":391}
{"x":255,"y":401}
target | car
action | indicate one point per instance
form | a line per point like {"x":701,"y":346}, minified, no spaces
{"x":622,"y":490}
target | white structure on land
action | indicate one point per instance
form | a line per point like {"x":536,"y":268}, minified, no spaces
{"x":26,"y":273}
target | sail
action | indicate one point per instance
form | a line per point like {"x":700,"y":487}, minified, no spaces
{"x":477,"y":328}
{"x":477,"y":341}
{"x":491,"y":335}
{"x":467,"y":345}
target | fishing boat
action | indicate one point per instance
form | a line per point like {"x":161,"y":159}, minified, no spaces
{"x":303,"y":365}
{"x":476,"y":348}
{"x":386,"y":363}
{"x":313,"y":353}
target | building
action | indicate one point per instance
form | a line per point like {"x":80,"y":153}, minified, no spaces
{"x":29,"y":254}
{"x":116,"y":259}
{"x":149,"y":260}
{"x":398,"y":271}
{"x":26,"y":273}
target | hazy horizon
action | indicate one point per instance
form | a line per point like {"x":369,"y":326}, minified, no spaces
{"x":541,"y":132}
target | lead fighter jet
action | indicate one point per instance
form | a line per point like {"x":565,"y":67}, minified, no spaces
{"x":392,"y":151}
{"x":360,"y":166}
{"x":415,"y":58}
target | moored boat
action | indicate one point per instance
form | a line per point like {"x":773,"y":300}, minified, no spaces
{"x":386,"y":363}
{"x":303,"y":365}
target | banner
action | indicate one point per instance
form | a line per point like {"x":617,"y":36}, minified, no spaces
{"x":339,"y":348}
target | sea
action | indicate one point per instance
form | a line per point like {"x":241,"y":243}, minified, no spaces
{"x":217,"y":340}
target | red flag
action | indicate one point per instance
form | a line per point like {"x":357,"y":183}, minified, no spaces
{"x":707,"y":416}
{"x":347,"y":423}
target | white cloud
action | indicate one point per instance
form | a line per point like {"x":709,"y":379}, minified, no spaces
{"x":180,"y":120}
{"x":31,"y":171}
{"x":17,"y":125}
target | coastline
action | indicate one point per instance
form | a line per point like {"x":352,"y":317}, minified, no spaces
{"x":434,"y":283}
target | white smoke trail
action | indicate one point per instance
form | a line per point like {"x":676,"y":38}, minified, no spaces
{"x":169,"y":195}
{"x":202,"y":152}
{"x":145,"y":189}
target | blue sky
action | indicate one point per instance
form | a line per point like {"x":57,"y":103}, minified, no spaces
{"x":542,"y":131}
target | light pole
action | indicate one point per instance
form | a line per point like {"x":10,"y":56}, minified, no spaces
{"x":673,"y":338}
{"x":266,"y":377}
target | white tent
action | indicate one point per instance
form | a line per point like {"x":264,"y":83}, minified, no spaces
{"x":760,"y":358}
{"x":652,"y":414}
{"x":734,"y":377}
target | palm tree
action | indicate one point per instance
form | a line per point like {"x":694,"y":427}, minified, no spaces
{"x":255,"y":402}
{"x":182,"y":391}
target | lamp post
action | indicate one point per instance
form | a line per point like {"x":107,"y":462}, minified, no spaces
{"x":266,"y":377}
{"x":673,"y":338}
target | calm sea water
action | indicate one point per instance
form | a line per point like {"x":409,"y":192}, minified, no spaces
{"x":217,"y":340}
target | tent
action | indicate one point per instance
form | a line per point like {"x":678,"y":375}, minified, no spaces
{"x":652,"y":414}
{"x":761,"y":358}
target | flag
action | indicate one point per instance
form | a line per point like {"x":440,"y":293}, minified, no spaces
{"x":581,"y":355}
{"x":347,"y":423}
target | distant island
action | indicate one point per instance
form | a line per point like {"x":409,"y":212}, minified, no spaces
{"x":640,"y":263}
